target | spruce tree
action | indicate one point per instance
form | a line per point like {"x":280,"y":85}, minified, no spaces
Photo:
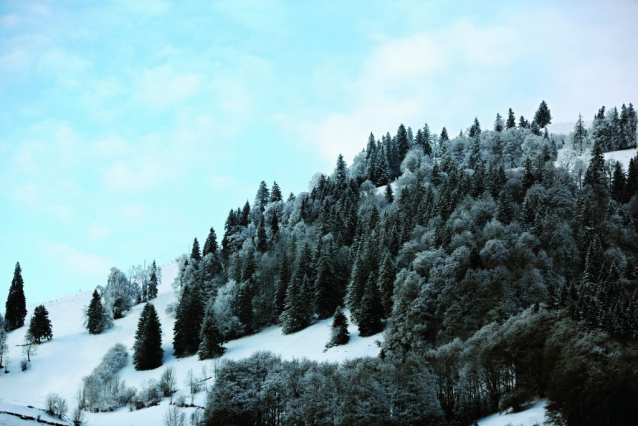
{"x":95,"y":315}
{"x":339,"y":334}
{"x":371,"y":312}
{"x":16,"y":306}
{"x":275,"y":193}
{"x":511,"y":119}
{"x":403,"y":145}
{"x":152,"y":283}
{"x":326,"y":290}
{"x":504,"y":211}
{"x":40,"y":325}
{"x":618,"y":184}
{"x":498,"y":123}
{"x":385,"y":282}
{"x":212,"y":340}
{"x":262,"y":197}
{"x":389,"y":195}
{"x":523,"y":123}
{"x":262,"y":238}
{"x":148,"y":350}
{"x":543,"y":116}
{"x":580,"y":135}
{"x":195,"y":253}
{"x":188,"y":319}
{"x":210,"y":246}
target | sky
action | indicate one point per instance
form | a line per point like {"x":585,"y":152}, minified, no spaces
{"x":129,"y":128}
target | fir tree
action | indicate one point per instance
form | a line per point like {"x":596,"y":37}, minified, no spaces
{"x":262,"y":238}
{"x":543,"y":116}
{"x":580,"y":135}
{"x":153,"y":282}
{"x":504,"y":211}
{"x":618,"y":184}
{"x":370,"y":317}
{"x":595,"y":174}
{"x":275,"y":193}
{"x":523,"y":123}
{"x":188,"y":319}
{"x":195,"y":253}
{"x":210,"y":246}
{"x":511,"y":119}
{"x":262,"y":197}
{"x":326,"y":290}
{"x":40,"y":325}
{"x":403,"y":145}
{"x":385,"y":283}
{"x":498,"y":123}
{"x":528,"y":174}
{"x":444,"y":136}
{"x":16,"y":306}
{"x":297,"y":307}
{"x":148,"y":352}
{"x":339,"y":334}
{"x":95,"y":315}
{"x":212,"y":340}
{"x":389,"y":195}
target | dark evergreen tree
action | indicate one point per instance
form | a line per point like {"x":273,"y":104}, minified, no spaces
{"x":370,"y":318}
{"x":543,"y":116}
{"x":262,"y":238}
{"x":95,"y":315}
{"x":212,"y":340}
{"x":618,"y":184}
{"x":195,"y":253}
{"x":580,"y":134}
{"x":403,"y":145}
{"x":275,"y":193}
{"x":498,"y":123}
{"x":511,"y":119}
{"x":245,"y":215}
{"x":153,"y":282}
{"x":262,"y":197}
{"x":40,"y":325}
{"x":389,"y":195}
{"x":523,"y":123}
{"x":504,"y":211}
{"x":528,"y":174}
{"x":188,"y":319}
{"x":16,"y":306}
{"x":148,"y":352}
{"x":339,"y":334}
{"x":327,"y":293}
{"x":210,"y":246}
{"x":595,"y":174}
{"x":385,"y":282}
{"x":341,"y":171}
{"x":298,"y":305}
{"x":444,"y":136}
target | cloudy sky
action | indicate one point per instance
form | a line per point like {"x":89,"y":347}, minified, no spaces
{"x":128,"y":128}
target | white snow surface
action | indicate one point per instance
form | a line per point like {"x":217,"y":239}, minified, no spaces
{"x":534,"y":415}
{"x":59,"y":365}
{"x":623,"y":156}
{"x":7,"y":419}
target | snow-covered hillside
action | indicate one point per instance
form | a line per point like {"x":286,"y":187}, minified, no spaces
{"x":534,"y":415}
{"x":60,"y":364}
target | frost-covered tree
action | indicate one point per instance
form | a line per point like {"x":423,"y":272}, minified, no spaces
{"x":371,"y":311}
{"x":153,"y":281}
{"x":148,"y":352}
{"x":212,"y":339}
{"x":40,"y":325}
{"x":16,"y":306}
{"x":120,"y":293}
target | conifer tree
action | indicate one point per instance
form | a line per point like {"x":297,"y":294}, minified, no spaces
{"x":297,"y":307}
{"x":341,"y":171}
{"x":580,"y":135}
{"x":444,"y":136}
{"x":543,"y":116}
{"x":504,"y":211}
{"x":326,"y":290}
{"x":210,"y":246}
{"x":403,"y":145}
{"x":528,"y":174}
{"x":40,"y":325}
{"x":195,"y":253}
{"x":370,"y":317}
{"x":511,"y":119}
{"x":188,"y":319}
{"x":16,"y":306}
{"x":148,"y":350}
{"x":275,"y":193}
{"x":498,"y":123}
{"x":262,"y":197}
{"x":523,"y":123}
{"x":385,"y":283}
{"x":153,"y":282}
{"x":262,"y":238}
{"x":618,"y":184}
{"x":339,"y":334}
{"x":212,"y":340}
{"x":595,"y":174}
{"x":95,"y":314}
{"x":389,"y":195}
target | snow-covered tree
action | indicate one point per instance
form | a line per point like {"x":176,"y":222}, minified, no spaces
{"x":120,"y":293}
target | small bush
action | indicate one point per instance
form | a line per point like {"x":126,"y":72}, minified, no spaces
{"x":24,"y":364}
{"x":56,"y":405}
{"x":168,"y":382}
{"x":174,"y":417}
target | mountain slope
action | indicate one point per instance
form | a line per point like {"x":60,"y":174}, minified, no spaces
{"x":60,"y":364}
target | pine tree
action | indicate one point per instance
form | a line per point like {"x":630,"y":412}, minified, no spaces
{"x":580,"y":135}
{"x":195,"y":253}
{"x":504,"y":211}
{"x":16,"y":306}
{"x":529,"y":178}
{"x":523,"y":123}
{"x":40,"y":325}
{"x":370,"y":317}
{"x":212,"y":340}
{"x":444,"y":136}
{"x":618,"y":184}
{"x":262,"y":238}
{"x":188,"y":319}
{"x":297,"y":307}
{"x":498,"y":123}
{"x":341,"y":171}
{"x":339,"y":334}
{"x":511,"y":119}
{"x":385,"y":283}
{"x":153,"y":282}
{"x":275,"y":193}
{"x":326,"y":290}
{"x":403,"y":146}
{"x":543,"y":116}
{"x":210,"y":246}
{"x":389,"y":195}
{"x":148,"y":352}
{"x":95,"y":315}
{"x":595,"y":174}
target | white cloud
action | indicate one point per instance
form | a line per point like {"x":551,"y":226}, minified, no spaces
{"x":164,"y":86}
{"x":98,"y":232}
{"x":122,"y":176}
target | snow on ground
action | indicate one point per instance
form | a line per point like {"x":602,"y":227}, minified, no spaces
{"x":59,"y":365}
{"x":532,"y":416}
{"x":623,"y":156}
{"x":34,"y":413}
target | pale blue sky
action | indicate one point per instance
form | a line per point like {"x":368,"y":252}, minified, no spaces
{"x":129,"y":127}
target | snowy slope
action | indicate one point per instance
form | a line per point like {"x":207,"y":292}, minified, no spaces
{"x":533,"y":416}
{"x":24,"y":415}
{"x":623,"y":156}
{"x":60,"y":364}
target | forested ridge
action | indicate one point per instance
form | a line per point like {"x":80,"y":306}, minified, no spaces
{"x":502,"y":278}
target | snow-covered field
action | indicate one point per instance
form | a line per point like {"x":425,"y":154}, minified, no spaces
{"x":59,"y":365}
{"x":534,"y":415}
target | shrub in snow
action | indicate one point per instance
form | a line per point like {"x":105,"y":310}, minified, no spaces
{"x":168,"y":382}
{"x":120,"y":293}
{"x":174,"y":417}
{"x":78,"y":417}
{"x":24,"y":364}
{"x":56,"y":405}
{"x":148,"y":396}
{"x":113,"y":361}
